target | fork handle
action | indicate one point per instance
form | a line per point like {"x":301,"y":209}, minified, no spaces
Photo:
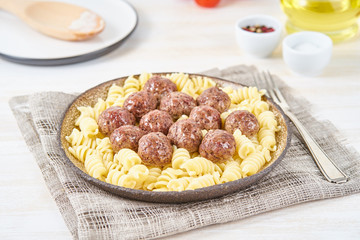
{"x":327,"y":167}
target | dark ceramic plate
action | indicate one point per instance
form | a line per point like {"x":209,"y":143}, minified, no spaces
{"x":90,"y":98}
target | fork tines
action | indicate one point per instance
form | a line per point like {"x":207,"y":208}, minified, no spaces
{"x":265,"y":80}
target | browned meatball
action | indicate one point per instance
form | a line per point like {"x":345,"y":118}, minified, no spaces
{"x":177,"y":104}
{"x":243,"y":120}
{"x":155,"y":149}
{"x":216,"y":98}
{"x":140,"y":103}
{"x":186,"y":134}
{"x":156,"y":121}
{"x":217,"y":146}
{"x":159,"y":86}
{"x":114,"y":117}
{"x":207,"y":117}
{"x":127,"y":136}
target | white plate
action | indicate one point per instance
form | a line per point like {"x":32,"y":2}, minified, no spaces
{"x":22,"y":44}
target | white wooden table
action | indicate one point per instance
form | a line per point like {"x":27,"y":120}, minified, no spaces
{"x":177,"y":35}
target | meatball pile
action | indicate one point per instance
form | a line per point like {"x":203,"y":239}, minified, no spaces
{"x":157,"y":108}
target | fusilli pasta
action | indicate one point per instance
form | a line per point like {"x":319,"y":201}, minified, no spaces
{"x":77,"y":138}
{"x":254,"y":162}
{"x":89,"y":126}
{"x":232,"y":172}
{"x":127,"y":158}
{"x":180,"y":156}
{"x":204,"y":181}
{"x":95,"y":166}
{"x":198,"y":166}
{"x":244,"y":147}
{"x":187,"y":171}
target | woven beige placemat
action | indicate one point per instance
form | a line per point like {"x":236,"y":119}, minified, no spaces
{"x":91,"y":213}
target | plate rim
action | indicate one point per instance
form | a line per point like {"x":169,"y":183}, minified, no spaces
{"x":76,"y":58}
{"x":163,"y":197}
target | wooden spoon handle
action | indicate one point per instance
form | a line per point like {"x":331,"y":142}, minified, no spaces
{"x":16,"y":7}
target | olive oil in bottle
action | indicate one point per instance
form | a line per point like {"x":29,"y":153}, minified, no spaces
{"x":336,"y":18}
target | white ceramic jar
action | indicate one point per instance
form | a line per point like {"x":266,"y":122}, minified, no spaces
{"x":260,"y":45}
{"x":307,"y":53}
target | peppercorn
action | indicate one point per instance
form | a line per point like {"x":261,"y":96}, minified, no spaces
{"x":258,"y":29}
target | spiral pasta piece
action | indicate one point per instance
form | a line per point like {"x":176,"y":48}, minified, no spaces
{"x":143,"y":79}
{"x":198,"y":166}
{"x":85,"y":112}
{"x":104,"y":149}
{"x":220,"y":167}
{"x":166,"y":176}
{"x":259,"y":107}
{"x":81,"y":152}
{"x":190,"y":89}
{"x":89,"y":112}
{"x":204,"y":181}
{"x":77,"y":138}
{"x":267,"y":138}
{"x":149,"y":183}
{"x":135,"y":177}
{"x":114,"y":93}
{"x":95,"y":167}
{"x":227,"y":90}
{"x":265,"y":151}
{"x":179,"y":157}
{"x":119,"y":101}
{"x":267,"y":119}
{"x":114,"y":176}
{"x":110,"y":165}
{"x":231,"y":172}
{"x":89,"y":126}
{"x":103,"y":145}
{"x":244,"y":147}
{"x":180,"y":79}
{"x":99,"y":107}
{"x":127,"y":158}
{"x":254,"y":162}
{"x":202,"y":83}
{"x":179,"y":184}
{"x":241,"y":94}
{"x":131,"y":85}
{"x":246,"y":104}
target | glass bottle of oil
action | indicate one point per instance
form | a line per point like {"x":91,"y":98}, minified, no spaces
{"x":336,"y":18}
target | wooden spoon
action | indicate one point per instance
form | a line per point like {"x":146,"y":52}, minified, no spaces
{"x":56,"y":19}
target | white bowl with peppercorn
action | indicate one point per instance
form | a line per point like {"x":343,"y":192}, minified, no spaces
{"x":258,"y":35}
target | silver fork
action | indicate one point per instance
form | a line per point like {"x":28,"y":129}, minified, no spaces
{"x":327,"y":167}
